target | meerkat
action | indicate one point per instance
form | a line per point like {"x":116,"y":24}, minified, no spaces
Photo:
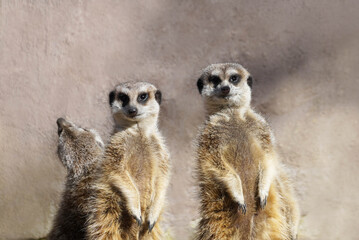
{"x":79,"y":150}
{"x":241,"y":186}
{"x":135,"y":171}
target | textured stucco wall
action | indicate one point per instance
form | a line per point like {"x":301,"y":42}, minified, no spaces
{"x":61,"y":58}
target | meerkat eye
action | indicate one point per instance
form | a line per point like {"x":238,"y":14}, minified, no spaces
{"x":234,"y":78}
{"x":215,"y":80}
{"x":142,"y":97}
{"x":123,"y":98}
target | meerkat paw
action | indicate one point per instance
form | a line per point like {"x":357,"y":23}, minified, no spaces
{"x":151,"y":225}
{"x":136,"y":214}
{"x":138,"y":220}
{"x":152,"y":219}
{"x":241,"y":204}
{"x":242,"y":207}
{"x":263,"y":199}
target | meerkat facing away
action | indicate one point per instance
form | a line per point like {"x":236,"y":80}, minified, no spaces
{"x":79,"y":150}
{"x":237,"y":163}
{"x":134,"y":174}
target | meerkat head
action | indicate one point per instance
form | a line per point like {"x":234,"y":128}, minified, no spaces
{"x":135,"y":103}
{"x":225,"y":85}
{"x":77,"y":147}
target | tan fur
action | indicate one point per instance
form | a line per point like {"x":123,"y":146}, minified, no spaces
{"x":134,"y":174}
{"x":244,"y":191}
{"x":280,"y":218}
{"x":80,"y":150}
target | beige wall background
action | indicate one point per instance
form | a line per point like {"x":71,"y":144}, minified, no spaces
{"x":61,"y":58}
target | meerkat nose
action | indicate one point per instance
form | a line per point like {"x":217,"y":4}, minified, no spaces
{"x":60,"y":122}
{"x":225,"y":90}
{"x":132,"y":111}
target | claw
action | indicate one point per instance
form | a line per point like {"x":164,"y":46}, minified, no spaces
{"x":150,"y":226}
{"x":138,"y":220}
{"x":243,"y":208}
{"x":263,"y":202}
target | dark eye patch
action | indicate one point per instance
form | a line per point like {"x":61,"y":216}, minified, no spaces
{"x":142,"y":97}
{"x":250,"y":81}
{"x":111,"y":97}
{"x":158,"y":96}
{"x":124,"y":98}
{"x":235,"y":78}
{"x":200,"y":85}
{"x":215,"y":80}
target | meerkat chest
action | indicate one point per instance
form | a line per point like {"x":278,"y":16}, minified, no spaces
{"x":142,"y":160}
{"x":233,"y":139}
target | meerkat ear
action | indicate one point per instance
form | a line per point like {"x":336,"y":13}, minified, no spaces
{"x":158,"y":96}
{"x":200,"y":85}
{"x":111,"y":97}
{"x":250,"y":81}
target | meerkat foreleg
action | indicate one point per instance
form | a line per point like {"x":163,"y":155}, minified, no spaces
{"x":267,"y":173}
{"x":128,"y":188}
{"x":158,"y":201}
{"x":231,"y":180}
{"x":267,"y":159}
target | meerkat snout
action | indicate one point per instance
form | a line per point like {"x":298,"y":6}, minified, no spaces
{"x":61,"y":124}
{"x":132,"y":112}
{"x":225,"y":90}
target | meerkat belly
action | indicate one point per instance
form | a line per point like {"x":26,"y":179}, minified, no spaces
{"x":225,"y":147}
{"x":141,"y":170}
{"x":236,"y":151}
{"x":240,"y":158}
{"x":243,"y":162}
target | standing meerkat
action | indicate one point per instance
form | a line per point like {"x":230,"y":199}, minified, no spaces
{"x":134,"y":174}
{"x":79,"y":150}
{"x":244,"y":192}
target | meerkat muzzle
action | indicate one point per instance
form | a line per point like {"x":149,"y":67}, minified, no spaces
{"x":132,"y":112}
{"x":60,"y":123}
{"x":225,"y":90}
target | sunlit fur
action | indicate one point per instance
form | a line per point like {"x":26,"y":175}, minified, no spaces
{"x":244,"y":191}
{"x":80,"y":150}
{"x":134,"y":174}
